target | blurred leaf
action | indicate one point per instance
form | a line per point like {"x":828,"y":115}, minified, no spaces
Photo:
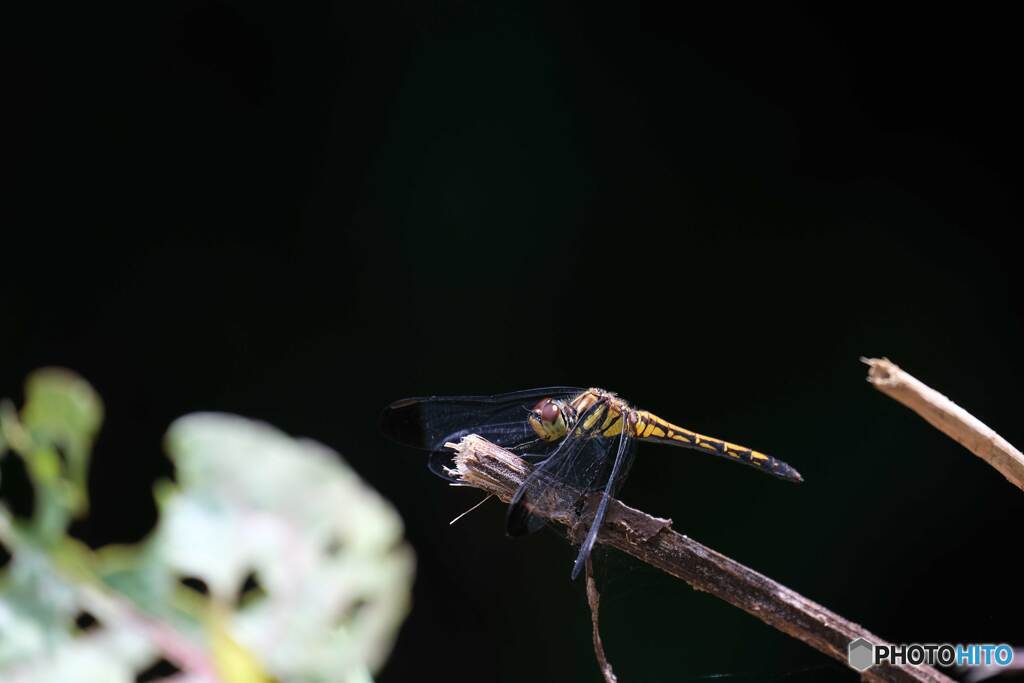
{"x":62,"y":413}
{"x":139,"y":573}
{"x":62,"y":407}
{"x":234,"y":663}
{"x":39,"y":639}
{"x":325,"y":548}
{"x":14,"y":435}
{"x":304,"y":570}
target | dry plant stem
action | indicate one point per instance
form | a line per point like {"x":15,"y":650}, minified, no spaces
{"x":481,"y":464}
{"x":594,"y":600}
{"x":947,"y":417}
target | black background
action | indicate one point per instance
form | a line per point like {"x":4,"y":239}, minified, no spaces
{"x":302,"y":212}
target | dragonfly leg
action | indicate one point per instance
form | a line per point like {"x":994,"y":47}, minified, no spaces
{"x":526,"y":510}
{"x":602,"y":507}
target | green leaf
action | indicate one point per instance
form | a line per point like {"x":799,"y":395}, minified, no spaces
{"x":62,"y":413}
{"x":39,"y":600}
{"x":308,"y":574}
{"x":62,"y":407}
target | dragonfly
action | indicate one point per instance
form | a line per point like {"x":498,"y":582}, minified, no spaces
{"x":577,"y":438}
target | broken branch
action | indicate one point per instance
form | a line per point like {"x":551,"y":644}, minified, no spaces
{"x":483,"y":465}
{"x":947,"y":417}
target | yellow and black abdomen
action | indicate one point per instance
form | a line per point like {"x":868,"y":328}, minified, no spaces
{"x":650,"y":427}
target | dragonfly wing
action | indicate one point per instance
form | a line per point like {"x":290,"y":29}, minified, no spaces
{"x":620,"y":466}
{"x":429,"y":422}
{"x":424,"y":421}
{"x":581,"y":464}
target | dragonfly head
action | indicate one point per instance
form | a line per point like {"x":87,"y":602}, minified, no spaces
{"x":548,"y":419}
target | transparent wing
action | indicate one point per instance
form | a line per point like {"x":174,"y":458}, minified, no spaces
{"x":620,"y":468}
{"x":582,"y":463}
{"x":429,"y":422}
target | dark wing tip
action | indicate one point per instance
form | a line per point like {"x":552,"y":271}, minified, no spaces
{"x":519,"y":521}
{"x":402,"y":422}
{"x":517,"y":517}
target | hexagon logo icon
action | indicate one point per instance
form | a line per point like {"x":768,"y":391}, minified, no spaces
{"x":861,"y":654}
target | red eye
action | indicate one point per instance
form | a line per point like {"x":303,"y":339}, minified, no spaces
{"x":547,"y":410}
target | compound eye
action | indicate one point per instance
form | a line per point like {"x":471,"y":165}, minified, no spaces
{"x":547,"y":410}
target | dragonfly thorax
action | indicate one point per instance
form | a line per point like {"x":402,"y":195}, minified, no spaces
{"x":550,"y":419}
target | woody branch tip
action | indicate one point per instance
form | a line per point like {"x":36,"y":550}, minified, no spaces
{"x":947,"y":417}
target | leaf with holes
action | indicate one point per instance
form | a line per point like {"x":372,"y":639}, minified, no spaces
{"x":311,"y":557}
{"x":271,"y":558}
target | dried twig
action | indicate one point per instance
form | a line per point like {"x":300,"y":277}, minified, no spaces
{"x":481,"y":464}
{"x":594,"y":600}
{"x":947,"y":417}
